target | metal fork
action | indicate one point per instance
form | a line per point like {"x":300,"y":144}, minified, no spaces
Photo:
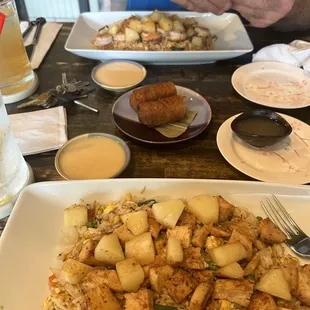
{"x":297,"y":240}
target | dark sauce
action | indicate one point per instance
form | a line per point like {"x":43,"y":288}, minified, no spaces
{"x":261,"y":126}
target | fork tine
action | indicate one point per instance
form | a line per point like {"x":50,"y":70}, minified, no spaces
{"x":273,"y":217}
{"x":281,"y":220}
{"x":289,"y":218}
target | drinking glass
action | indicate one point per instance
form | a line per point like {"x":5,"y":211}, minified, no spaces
{"x":16,"y":73}
{"x":15,"y":174}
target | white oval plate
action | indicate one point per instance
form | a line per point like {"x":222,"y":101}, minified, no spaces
{"x":285,"y":162}
{"x":273,"y":84}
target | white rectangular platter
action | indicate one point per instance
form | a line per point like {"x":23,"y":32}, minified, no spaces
{"x":232,"y":41}
{"x":28,"y":246}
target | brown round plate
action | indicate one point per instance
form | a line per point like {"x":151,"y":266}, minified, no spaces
{"x":126,"y":119}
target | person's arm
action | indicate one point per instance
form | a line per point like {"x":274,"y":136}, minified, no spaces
{"x":297,"y":19}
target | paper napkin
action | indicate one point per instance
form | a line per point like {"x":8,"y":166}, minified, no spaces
{"x":296,"y":53}
{"x":48,"y":35}
{"x":40,"y":131}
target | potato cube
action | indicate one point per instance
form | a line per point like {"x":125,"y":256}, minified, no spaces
{"x":228,"y":253}
{"x":205,"y":207}
{"x":141,"y":248}
{"x":109,"y":250}
{"x":73,"y":272}
{"x":114,"y":29}
{"x":75,"y":216}
{"x":274,"y":283}
{"x":174,"y":251}
{"x":168,"y":212}
{"x":149,"y":26}
{"x":156,"y":16}
{"x":131,"y":35}
{"x":231,"y":271}
{"x":130,"y":274}
{"x":136,"y":222}
{"x":197,"y":41}
{"x":166,"y":24}
{"x":178,"y":26}
{"x":136,"y":25}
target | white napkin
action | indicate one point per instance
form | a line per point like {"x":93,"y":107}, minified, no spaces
{"x":40,"y":131}
{"x":296,"y":53}
{"x":47,"y":37}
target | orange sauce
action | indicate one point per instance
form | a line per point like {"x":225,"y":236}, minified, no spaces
{"x":119,"y":74}
{"x":91,"y":158}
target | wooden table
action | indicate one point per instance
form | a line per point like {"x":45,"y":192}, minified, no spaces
{"x":196,"y":158}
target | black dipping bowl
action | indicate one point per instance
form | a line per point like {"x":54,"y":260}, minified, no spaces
{"x":259,"y":139}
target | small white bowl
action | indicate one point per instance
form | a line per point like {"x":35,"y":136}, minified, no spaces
{"x":121,"y":142}
{"x":118,"y":88}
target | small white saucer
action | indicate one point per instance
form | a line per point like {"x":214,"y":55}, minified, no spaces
{"x":273,"y":84}
{"x":24,"y":93}
{"x":287,"y":162}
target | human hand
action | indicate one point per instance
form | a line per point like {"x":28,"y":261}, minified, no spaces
{"x":217,"y":7}
{"x":263,"y":13}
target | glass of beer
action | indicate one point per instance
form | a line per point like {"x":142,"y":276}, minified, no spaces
{"x":16,"y":73}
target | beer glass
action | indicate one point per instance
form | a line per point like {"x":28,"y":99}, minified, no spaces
{"x":15,"y":174}
{"x":16,"y":73}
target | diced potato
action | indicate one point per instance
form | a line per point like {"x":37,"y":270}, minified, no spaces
{"x":75,"y":216}
{"x":130,"y":274}
{"x":197,"y":41}
{"x":168,"y":212}
{"x":178,"y":26}
{"x":205,"y":207}
{"x":174,"y":17}
{"x":114,"y":29}
{"x":145,"y":18}
{"x":136,"y":222}
{"x":109,"y":250}
{"x":190,"y":32}
{"x":190,"y":22}
{"x":149,"y":26}
{"x":231,"y":271}
{"x":274,"y":283}
{"x":136,"y":25}
{"x":166,"y":24}
{"x":131,"y":35}
{"x":228,"y":253}
{"x":174,"y":251}
{"x":156,"y":16}
{"x":201,"y":296}
{"x":141,"y":248}
{"x":73,"y":272}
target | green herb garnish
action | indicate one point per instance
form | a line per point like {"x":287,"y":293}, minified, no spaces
{"x":213,"y":266}
{"x":146,"y":202}
{"x":162,"y":307}
{"x":106,"y":26}
{"x":175,"y":48}
{"x":91,"y":225}
{"x":250,"y":277}
{"x":259,"y":218}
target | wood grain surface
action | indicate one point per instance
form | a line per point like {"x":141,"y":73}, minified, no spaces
{"x":196,"y":158}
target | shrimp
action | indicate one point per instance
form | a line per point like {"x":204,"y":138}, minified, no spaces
{"x":151,"y":37}
{"x":120,"y":36}
{"x":202,"y":32}
{"x":177,"y":36}
{"x":162,"y":32}
{"x":103,"y":39}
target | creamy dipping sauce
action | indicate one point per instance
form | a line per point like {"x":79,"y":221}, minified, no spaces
{"x":119,"y":74}
{"x":91,"y":158}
